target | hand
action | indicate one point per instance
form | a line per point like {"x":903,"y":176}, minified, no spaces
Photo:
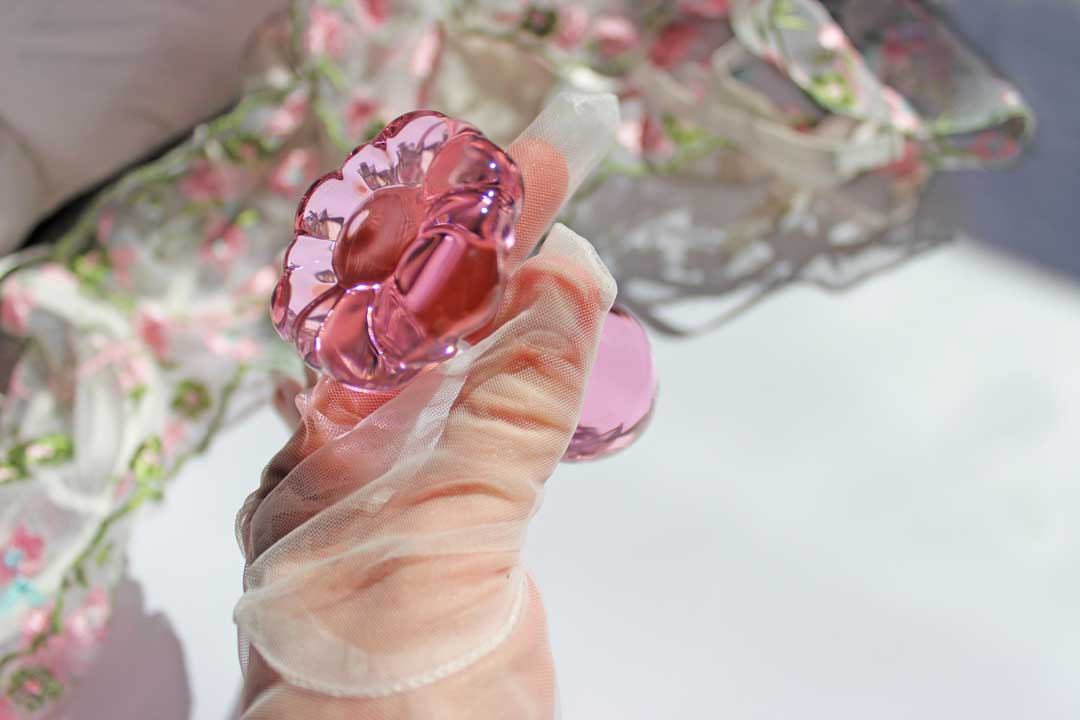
{"x":383,"y":544}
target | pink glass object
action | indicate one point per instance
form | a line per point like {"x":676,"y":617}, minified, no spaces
{"x":399,"y":255}
{"x":621,"y":392}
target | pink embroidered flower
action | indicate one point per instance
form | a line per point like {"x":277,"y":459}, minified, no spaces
{"x":645,"y":136}
{"x":294,"y":172}
{"x":991,"y":145}
{"x":654,"y":139}
{"x":910,"y":163}
{"x":288,"y":118}
{"x":105,"y":224}
{"x":425,"y":63}
{"x":16,"y":304}
{"x":30,"y":544}
{"x":132,"y":372}
{"x":901,"y":114}
{"x":24,"y":552}
{"x":223,"y":244}
{"x":375,"y":12}
{"x":87,"y":624}
{"x":673,"y":45}
{"x":614,"y":34}
{"x":260,"y":283}
{"x":35,"y":622}
{"x":209,"y":182}
{"x":831,"y":37}
{"x":125,"y":487}
{"x":239,"y":350}
{"x":325,"y":33}
{"x":426,"y":53}
{"x":122,"y":259}
{"x":153,"y":328}
{"x":38,"y":453}
{"x":399,"y":254}
{"x":359,"y":114}
{"x":706,"y":9}
{"x":173,"y":435}
{"x":573,"y":26}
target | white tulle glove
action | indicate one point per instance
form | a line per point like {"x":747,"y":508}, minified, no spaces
{"x":384,"y":575}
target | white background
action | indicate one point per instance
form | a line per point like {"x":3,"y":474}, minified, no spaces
{"x":848,"y":507}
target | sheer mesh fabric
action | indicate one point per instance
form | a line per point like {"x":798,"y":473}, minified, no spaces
{"x":384,"y":576}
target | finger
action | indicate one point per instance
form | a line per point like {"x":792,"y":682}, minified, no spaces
{"x":558,"y":150}
{"x":328,"y":410}
{"x":546,"y":178}
{"x":524,"y":395}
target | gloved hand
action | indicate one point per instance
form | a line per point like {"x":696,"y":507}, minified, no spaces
{"x":383,"y":546}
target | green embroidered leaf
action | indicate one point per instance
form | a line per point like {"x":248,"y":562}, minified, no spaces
{"x":539,"y":21}
{"x":192,"y":399}
{"x":137,"y":393}
{"x":146,"y":463}
{"x":784,"y":15}
{"x":33,"y":687}
{"x":46,"y":450}
{"x":236,"y":148}
{"x":831,"y":89}
{"x":103,"y":554}
{"x":333,"y":74}
{"x":248,"y":218}
{"x":682,"y":134}
{"x":373,"y":129}
{"x":11,"y":472}
{"x":91,"y":269}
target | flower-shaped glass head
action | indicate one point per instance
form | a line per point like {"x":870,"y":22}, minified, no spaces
{"x":400,"y":254}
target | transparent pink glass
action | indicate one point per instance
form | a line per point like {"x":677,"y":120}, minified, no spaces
{"x":621,"y":393}
{"x":400,"y":254}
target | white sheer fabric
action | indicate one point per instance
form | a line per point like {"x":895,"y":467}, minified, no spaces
{"x":383,"y":546}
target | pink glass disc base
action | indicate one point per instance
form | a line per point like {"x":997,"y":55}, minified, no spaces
{"x":621,"y":393}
